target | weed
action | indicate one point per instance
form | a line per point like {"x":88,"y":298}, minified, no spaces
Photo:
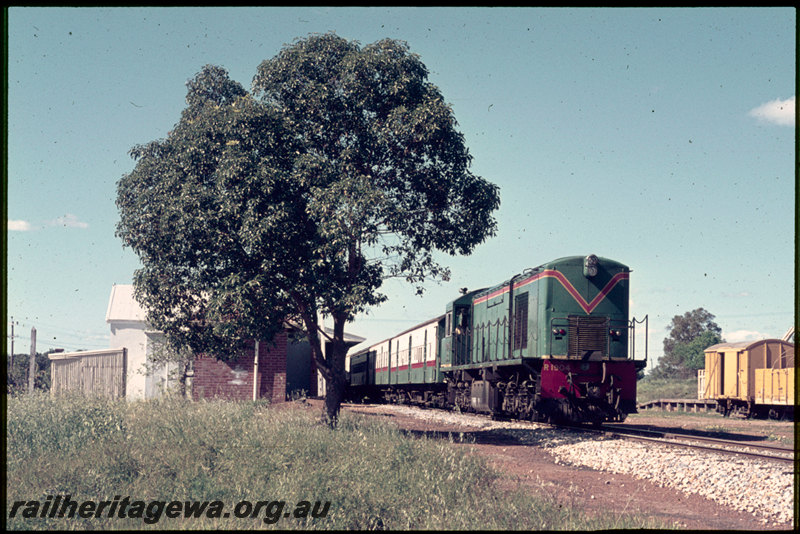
{"x":170,"y":449}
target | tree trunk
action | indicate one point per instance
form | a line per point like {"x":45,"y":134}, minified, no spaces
{"x":334,"y":394}
{"x":335,"y":387}
{"x":331,"y":366}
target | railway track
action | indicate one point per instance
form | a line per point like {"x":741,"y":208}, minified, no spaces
{"x":676,"y":438}
{"x":692,"y":441}
{"x":672,"y":438}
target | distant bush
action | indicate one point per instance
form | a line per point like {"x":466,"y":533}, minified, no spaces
{"x":649,"y":389}
{"x":17,"y":378}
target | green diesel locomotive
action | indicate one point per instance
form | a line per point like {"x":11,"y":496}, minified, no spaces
{"x":552,"y":343}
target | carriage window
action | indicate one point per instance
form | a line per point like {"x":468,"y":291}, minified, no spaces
{"x":448,"y":329}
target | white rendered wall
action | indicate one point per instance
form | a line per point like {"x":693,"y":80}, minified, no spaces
{"x":130,"y":335}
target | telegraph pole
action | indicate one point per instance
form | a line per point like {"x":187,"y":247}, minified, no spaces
{"x":32,"y":361}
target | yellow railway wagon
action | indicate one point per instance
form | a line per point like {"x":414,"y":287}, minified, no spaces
{"x":737,"y":376}
{"x":775,"y":386}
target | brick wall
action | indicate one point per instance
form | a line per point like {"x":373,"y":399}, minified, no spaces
{"x":233,"y":380}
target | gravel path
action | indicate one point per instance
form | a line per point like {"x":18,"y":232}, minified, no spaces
{"x":762,"y":488}
{"x":759,"y":487}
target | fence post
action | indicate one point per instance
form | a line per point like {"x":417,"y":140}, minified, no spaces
{"x":32,"y":361}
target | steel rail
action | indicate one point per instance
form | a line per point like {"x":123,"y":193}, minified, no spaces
{"x":690,"y":436}
{"x":665,"y":441}
{"x":671,"y":439}
{"x":668,"y":438}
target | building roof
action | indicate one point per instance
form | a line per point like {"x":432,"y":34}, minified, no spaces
{"x":349,"y":339}
{"x":122,"y":306}
{"x":327,"y":332}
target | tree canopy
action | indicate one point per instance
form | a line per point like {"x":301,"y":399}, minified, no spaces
{"x":340,"y":168}
{"x":689,"y":335}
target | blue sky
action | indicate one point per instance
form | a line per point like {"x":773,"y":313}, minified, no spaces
{"x":661,"y":138}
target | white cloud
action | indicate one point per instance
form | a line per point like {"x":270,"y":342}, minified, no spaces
{"x":740,"y":294}
{"x":777,"y":111}
{"x":744,"y":335}
{"x":69,"y":221}
{"x":19,"y":226}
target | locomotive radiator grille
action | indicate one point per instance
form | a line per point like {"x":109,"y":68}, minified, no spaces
{"x":588,"y":336}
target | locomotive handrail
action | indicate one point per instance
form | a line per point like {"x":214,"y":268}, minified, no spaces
{"x":483,"y":334}
{"x":632,"y":332}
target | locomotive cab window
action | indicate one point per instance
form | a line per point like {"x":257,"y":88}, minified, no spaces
{"x":462,"y":321}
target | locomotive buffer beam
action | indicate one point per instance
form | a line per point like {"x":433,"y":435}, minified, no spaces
{"x":592,"y":405}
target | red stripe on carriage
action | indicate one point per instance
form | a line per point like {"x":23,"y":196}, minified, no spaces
{"x":429,"y":363}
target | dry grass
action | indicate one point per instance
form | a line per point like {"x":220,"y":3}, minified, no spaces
{"x":173,"y":450}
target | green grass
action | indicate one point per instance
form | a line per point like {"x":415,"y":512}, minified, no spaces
{"x":649,"y":389}
{"x":173,"y":450}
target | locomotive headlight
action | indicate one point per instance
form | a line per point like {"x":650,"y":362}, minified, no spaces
{"x":615,"y":333}
{"x":590,"y":266}
{"x":559,"y":331}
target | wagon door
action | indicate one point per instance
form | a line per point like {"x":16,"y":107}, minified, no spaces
{"x":730,"y":365}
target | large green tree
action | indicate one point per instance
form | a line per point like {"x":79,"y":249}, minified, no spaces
{"x":342,"y":167}
{"x":689,"y":335}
